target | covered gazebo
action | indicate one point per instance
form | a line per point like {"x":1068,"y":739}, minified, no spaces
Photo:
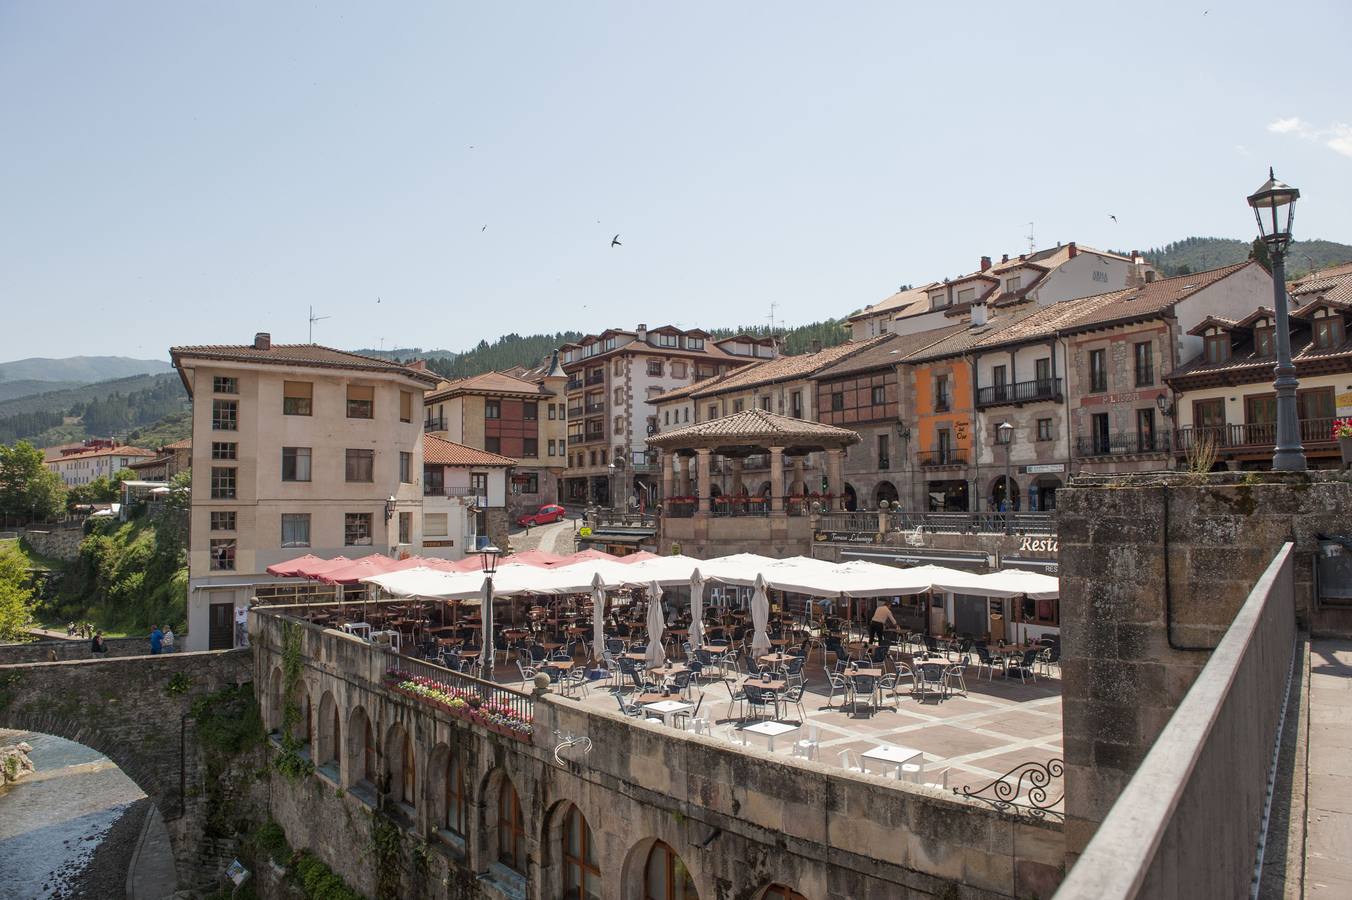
{"x":735,"y":446}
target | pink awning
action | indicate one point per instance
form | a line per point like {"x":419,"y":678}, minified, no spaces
{"x":640,"y":556}
{"x":531,"y":558}
{"x":352,"y":572}
{"x":306,"y":566}
{"x":584,"y":556}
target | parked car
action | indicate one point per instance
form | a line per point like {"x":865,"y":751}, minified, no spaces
{"x":550,"y":512}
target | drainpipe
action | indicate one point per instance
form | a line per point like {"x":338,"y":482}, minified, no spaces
{"x":1065,"y":402}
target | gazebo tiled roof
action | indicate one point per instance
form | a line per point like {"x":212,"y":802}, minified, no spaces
{"x":754,"y":427}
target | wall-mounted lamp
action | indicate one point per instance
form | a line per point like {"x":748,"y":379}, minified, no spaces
{"x":390,"y":504}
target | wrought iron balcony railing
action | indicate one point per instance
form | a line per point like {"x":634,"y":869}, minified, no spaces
{"x":1019,"y":392}
{"x":935,"y":458}
{"x":1119,"y":444}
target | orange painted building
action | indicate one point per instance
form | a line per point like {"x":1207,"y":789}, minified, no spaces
{"x":942,"y":435}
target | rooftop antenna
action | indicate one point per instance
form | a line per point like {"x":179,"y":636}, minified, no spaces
{"x":1032,"y":242}
{"x":313,"y":319}
{"x":771,"y":317}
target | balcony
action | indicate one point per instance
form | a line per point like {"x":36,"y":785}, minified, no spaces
{"x":574,"y":384}
{"x":574,"y":412}
{"x":936,"y":458}
{"x":1253,"y":437}
{"x":1121,"y":444}
{"x":438,"y":490}
{"x":594,"y":408}
{"x":593,"y":436}
{"x":1019,"y":392}
{"x":596,"y":378}
{"x":436,"y":424}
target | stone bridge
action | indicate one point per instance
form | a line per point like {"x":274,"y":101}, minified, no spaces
{"x":134,"y":710}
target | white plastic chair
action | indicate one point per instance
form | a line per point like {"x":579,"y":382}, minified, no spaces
{"x":735,"y":735}
{"x":846,"y":764}
{"x":941,"y":784}
{"x":809,"y":747}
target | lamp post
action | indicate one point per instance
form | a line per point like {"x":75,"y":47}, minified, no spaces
{"x":1006,"y":433}
{"x":610,"y":484}
{"x":488,"y":559}
{"x":1274,"y":206}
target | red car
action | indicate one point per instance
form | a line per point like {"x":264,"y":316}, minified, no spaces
{"x":550,"y":512}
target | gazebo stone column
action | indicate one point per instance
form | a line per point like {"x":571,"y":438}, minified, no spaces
{"x":776,"y":481}
{"x":736,"y":464}
{"x":668,"y":475}
{"x":683,"y":472}
{"x":798,"y":475}
{"x":835,"y":469}
{"x":705,"y":481}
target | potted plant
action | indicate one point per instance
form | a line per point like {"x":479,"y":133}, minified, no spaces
{"x":1342,"y":433}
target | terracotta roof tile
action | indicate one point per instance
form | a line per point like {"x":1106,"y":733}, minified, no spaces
{"x":1335,"y":283}
{"x":890,"y":350}
{"x":106,"y":451}
{"x":756,"y":426}
{"x":297,"y":355}
{"x":771,"y":370}
{"x":185,"y":444}
{"x":487,"y":383}
{"x":441,"y":452}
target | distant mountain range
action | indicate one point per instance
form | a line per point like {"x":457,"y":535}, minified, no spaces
{"x":1197,"y":254}
{"x":80,"y":369}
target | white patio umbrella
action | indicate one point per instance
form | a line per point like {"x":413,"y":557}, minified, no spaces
{"x":760,"y":618}
{"x":656,"y":656}
{"x":696,"y":609}
{"x":598,"y":617}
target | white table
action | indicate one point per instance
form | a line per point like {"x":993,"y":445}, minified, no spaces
{"x":360,"y":629}
{"x":897,"y":756}
{"x":390,"y":637}
{"x":668,"y":708}
{"x":771,"y":730}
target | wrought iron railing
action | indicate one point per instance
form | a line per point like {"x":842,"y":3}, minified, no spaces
{"x":437,"y":423}
{"x":574,"y":412}
{"x":858,"y":522}
{"x":1030,"y":789}
{"x":596,"y":378}
{"x":523,"y":705}
{"x":593,"y":408}
{"x":934,"y":458}
{"x":1117,"y":444}
{"x":731,"y":507}
{"x":679,"y":507}
{"x":592,"y":436}
{"x":1019,"y":392}
{"x":1251,"y":435}
{"x":976,"y":523}
{"x":575,"y":384}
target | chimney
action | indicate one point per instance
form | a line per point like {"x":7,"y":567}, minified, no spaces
{"x":985,"y":263}
{"x":1073,"y":250}
{"x":1022,"y":257}
{"x":641,"y":332}
{"x":1004,"y":258}
{"x":262,"y":341}
{"x":815,"y":346}
{"x":418,"y":365}
{"x":978,"y":313}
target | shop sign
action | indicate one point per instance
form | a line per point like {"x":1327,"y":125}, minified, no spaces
{"x":847,"y":537}
{"x":584,"y":531}
{"x":1038,"y":545}
{"x":1041,"y":468}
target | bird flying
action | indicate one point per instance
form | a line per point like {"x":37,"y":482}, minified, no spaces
{"x":615,"y":241}
{"x":1114,"y":218}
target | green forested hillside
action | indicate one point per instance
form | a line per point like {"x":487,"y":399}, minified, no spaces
{"x":174,"y":427}
{"x":27,"y":387}
{"x":799,"y":338}
{"x":1197,"y":254}
{"x":106,"y":409}
{"x":507,"y":351}
{"x":81,"y":369}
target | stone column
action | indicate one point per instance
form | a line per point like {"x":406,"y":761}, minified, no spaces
{"x":737,"y":464}
{"x":835,"y":469}
{"x":776,"y":481}
{"x":683,"y":471}
{"x":705,"y":481}
{"x":798,"y":475}
{"x":668,"y":476}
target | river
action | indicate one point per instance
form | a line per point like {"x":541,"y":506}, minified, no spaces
{"x":53,"y":821}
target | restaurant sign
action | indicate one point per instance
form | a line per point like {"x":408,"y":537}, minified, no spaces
{"x":1041,"y":468}
{"x":847,"y":537}
{"x":1038,"y":545}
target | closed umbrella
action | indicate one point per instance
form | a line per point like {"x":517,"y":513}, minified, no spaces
{"x":696,"y":609}
{"x":486,"y":611}
{"x":598,"y":617}
{"x":760,"y":617}
{"x":656,"y":655}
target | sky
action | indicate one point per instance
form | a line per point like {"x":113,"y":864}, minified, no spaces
{"x":432,"y":175}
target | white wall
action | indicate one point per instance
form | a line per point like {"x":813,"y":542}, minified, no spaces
{"x":1085,"y":275}
{"x":1233,"y":297}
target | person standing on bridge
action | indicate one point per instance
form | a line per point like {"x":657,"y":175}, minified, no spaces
{"x":97,"y":645}
{"x":168,"y":641}
{"x":156,"y":640}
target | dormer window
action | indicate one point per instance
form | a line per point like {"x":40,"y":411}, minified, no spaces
{"x":966,"y":295}
{"x":694,"y":343}
{"x":589,"y":350}
{"x":1217,"y":347}
{"x":1264,"y":343}
{"x":568,"y":356}
{"x":610,"y":343}
{"x":1328,"y":332}
{"x":938,"y":300}
{"x":667,"y":340}
{"x":1012,"y":284}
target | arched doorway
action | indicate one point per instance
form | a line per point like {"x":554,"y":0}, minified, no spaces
{"x":401,"y":762}
{"x":1004,"y":495}
{"x":885,"y":490}
{"x":781,"y":892}
{"x":851,"y":498}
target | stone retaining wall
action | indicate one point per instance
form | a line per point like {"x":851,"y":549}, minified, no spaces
{"x":40,"y":651}
{"x":56,"y":543}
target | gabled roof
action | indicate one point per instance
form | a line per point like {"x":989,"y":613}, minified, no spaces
{"x":105,"y":451}
{"x":441,"y":452}
{"x":1221,"y":322}
{"x":1324,"y":301}
{"x":185,"y":444}
{"x":769,"y":371}
{"x":312,"y":355}
{"x":902,"y":303}
{"x":487,"y":383}
{"x":890,"y":350}
{"x":969,"y":336}
{"x":755,"y":427}
{"x":1335,"y":282}
{"x":1259,"y":313}
{"x":1152,"y":298}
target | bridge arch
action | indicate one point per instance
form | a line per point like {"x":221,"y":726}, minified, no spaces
{"x":272,"y":709}
{"x":401,"y":762}
{"x":667,"y":865}
{"x":361,"y":764}
{"x":329,"y":733}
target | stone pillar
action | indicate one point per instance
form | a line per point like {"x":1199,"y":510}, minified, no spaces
{"x":705,"y":481}
{"x":798,"y":473}
{"x":683,"y":462}
{"x":835,"y":474}
{"x":737,"y":463}
{"x":776,"y":481}
{"x":668,"y":476}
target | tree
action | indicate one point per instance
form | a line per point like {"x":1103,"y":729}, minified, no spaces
{"x":1260,"y":254}
{"x":28,"y":489}
{"x":16,"y":614}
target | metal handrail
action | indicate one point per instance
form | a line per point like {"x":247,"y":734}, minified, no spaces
{"x":942,"y":458}
{"x":1117,"y":444}
{"x":1019,"y":392}
{"x":1253,"y":434}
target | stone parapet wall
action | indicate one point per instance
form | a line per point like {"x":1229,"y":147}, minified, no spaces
{"x":41,"y":651}
{"x":55,"y":543}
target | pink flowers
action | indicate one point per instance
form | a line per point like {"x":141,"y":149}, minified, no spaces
{"x":1342,"y":428}
{"x":466,"y":704}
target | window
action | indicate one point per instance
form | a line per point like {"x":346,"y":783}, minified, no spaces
{"x":1098,"y":424}
{"x":938,"y":300}
{"x":493,"y":444}
{"x":1328,"y":332}
{"x":295,"y":464}
{"x":551,"y":411}
{"x":1044,"y":429}
{"x":668,"y":340}
{"x":610,"y":345}
{"x":530,"y":411}
{"x":942,"y":400}
{"x":619,"y":396}
{"x":796,"y":404}
{"x":223,"y":554}
{"x":619,"y":424}
{"x":357,"y":529}
{"x":457,"y":801}
{"x":666,"y":418}
{"x":1145,"y":430}
{"x":530,"y":447}
{"x":1013,"y":283}
{"x":884,"y":459}
{"x":492,"y":409}
{"x":581,"y":871}
{"x":1217,"y":347}
{"x":526,"y":484}
{"x":1260,"y":409}
{"x":999,"y":381}
{"x":765,"y":403}
{"x":713,"y":410}
{"x":1264,"y":343}
{"x":550,"y":448}
{"x":665,"y":876}
{"x":1209,"y":413}
{"x":1145,"y":364}
{"x":295,"y":529}
{"x":878,"y":395}
{"x":405,"y":467}
{"x":222,"y":520}
{"x":1316,"y":403}
{"x":225,"y":415}
{"x":592,"y":457}
{"x":405,"y":406}
{"x":361,"y":401}
{"x":478,"y":482}
{"x":222,"y":384}
{"x":678,"y":370}
{"x":944,"y":441}
{"x":1042,"y":372}
{"x":406,"y":528}
{"x":837,"y":401}
{"x":655,"y":365}
{"x":603,"y":457}
{"x":297,"y":398}
{"x":694,"y":343}
{"x":434,"y":524}
{"x":511,"y":829}
{"x":222,"y":482}
{"x":360,"y":465}
{"x":966,"y":295}
{"x":1098,"y":371}
{"x":224,"y":449}
{"x":738,"y":405}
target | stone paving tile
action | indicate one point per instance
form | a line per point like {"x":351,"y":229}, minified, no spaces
{"x":1328,"y":843}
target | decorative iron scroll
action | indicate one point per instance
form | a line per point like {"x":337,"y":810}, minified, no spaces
{"x":1004,"y":792}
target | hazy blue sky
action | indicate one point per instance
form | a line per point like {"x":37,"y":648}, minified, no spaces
{"x":193,"y":172}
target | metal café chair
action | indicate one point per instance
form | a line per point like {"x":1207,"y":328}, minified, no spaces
{"x":864,"y":686}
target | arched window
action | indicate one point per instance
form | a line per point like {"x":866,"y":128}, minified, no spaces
{"x":511,"y":830}
{"x":408,"y":774}
{"x":457,"y":803}
{"x":780,"y":892}
{"x":368,"y":770}
{"x":336,"y":741}
{"x":665,"y":876}
{"x":581,"y":872}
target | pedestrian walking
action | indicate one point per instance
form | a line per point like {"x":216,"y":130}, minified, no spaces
{"x":156,"y":640}
{"x":168,"y":642}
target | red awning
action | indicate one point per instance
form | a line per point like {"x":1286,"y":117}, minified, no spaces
{"x":352,"y":572}
{"x":305,"y":566}
{"x":585,"y":556}
{"x":640,"y":556}
{"x":531,"y":558}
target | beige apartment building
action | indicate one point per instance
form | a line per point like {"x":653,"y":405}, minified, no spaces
{"x":296,"y":449}
{"x":78,"y":466}
{"x":611,"y":378}
{"x":522,"y":417}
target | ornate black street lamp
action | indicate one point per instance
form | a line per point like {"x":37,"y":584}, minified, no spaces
{"x":1274,"y":206}
{"x":1006,"y":437}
